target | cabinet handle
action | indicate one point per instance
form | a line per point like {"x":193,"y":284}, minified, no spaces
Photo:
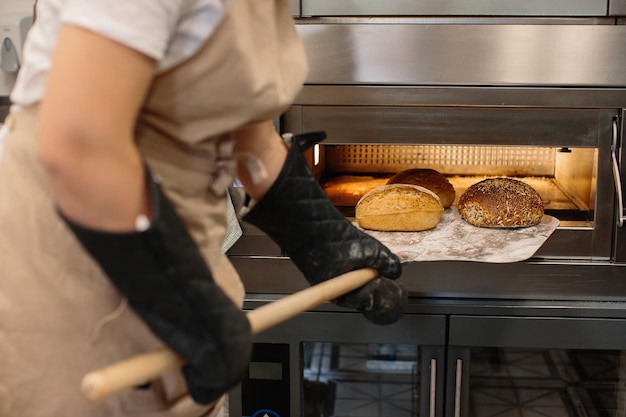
{"x":433,"y":386}
{"x":617,"y":179}
{"x":457,"y":388}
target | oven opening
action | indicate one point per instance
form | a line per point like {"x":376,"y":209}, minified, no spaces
{"x":565,"y":177}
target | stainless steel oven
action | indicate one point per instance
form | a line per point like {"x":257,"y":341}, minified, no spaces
{"x":325,"y":364}
{"x":538,"y":99}
{"x":543,"y":102}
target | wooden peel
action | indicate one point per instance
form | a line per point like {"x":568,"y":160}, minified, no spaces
{"x":139,"y":369}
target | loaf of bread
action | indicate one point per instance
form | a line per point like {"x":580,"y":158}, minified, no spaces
{"x":399,"y":207}
{"x":501,"y":202}
{"x":430,"y":179}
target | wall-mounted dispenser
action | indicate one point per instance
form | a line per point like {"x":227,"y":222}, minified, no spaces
{"x":13,"y":30}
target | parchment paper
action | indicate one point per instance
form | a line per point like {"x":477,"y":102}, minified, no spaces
{"x":455,"y":239}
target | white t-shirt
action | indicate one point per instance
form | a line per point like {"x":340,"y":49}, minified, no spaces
{"x":167,"y":30}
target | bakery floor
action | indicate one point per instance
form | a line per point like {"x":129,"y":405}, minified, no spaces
{"x":383,"y":380}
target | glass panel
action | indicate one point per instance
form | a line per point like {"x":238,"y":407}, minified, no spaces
{"x":364,"y":380}
{"x":265,"y":387}
{"x":537,"y":382}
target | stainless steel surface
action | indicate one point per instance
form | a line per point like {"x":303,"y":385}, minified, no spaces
{"x":617,"y":7}
{"x":412,"y":124}
{"x":466,"y":55}
{"x":554,"y":282}
{"x":463,"y":96}
{"x":455,"y":7}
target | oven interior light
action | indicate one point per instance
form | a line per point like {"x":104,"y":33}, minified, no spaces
{"x":316,"y":154}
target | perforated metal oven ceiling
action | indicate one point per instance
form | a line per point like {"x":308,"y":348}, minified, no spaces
{"x":460,"y":160}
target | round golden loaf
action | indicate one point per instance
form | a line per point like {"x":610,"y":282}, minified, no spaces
{"x":430,"y":179}
{"x":399,"y":208}
{"x":501,"y":202}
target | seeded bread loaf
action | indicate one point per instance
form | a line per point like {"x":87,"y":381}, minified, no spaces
{"x":399,"y":207}
{"x":501,"y":202}
{"x":430,"y":179}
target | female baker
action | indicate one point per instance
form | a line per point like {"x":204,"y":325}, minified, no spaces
{"x":130,"y":120}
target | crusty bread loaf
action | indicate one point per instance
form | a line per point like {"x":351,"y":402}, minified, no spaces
{"x":501,"y":202}
{"x":430,"y":179}
{"x":399,"y":207}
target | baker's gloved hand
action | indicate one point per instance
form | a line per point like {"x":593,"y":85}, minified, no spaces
{"x":322,"y":243}
{"x":169,"y":286}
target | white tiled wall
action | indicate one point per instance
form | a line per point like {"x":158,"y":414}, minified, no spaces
{"x":8,"y":7}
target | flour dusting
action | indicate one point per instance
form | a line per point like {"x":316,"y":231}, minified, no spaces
{"x":456,"y":240}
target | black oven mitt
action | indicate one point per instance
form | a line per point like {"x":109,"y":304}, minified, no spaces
{"x":169,"y":286}
{"x":297,"y":215}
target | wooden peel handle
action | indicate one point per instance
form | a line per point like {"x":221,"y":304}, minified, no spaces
{"x":134,"y":371}
{"x":272,"y":314}
{"x":100,"y":384}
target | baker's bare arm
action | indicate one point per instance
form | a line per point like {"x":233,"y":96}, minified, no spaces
{"x":261,"y":140}
{"x":94,"y":92}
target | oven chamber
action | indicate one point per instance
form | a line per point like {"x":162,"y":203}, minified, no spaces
{"x":543,"y":102}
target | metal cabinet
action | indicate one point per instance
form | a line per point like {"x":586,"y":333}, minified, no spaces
{"x":324,"y":364}
{"x":527,"y":366}
{"x":329,"y":363}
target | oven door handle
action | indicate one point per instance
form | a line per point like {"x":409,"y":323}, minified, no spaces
{"x":617,"y":179}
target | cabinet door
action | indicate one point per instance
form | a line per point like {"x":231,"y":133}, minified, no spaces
{"x":339,"y":364}
{"x":527,"y":367}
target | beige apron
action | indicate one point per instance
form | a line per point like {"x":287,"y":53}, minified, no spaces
{"x":59,"y":316}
